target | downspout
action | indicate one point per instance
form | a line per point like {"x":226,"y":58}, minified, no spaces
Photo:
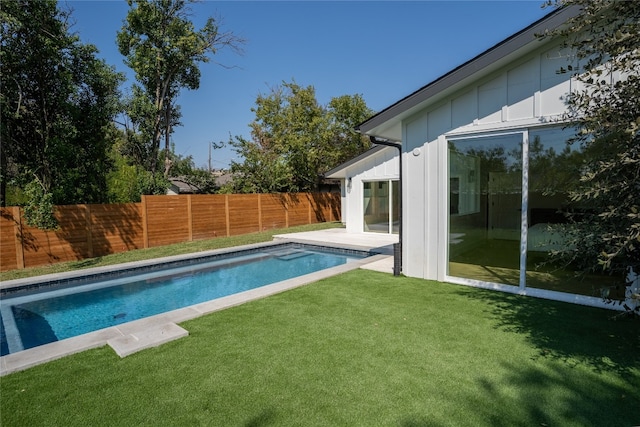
{"x":397,"y":251}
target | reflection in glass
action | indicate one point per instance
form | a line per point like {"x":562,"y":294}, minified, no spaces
{"x":395,"y":207}
{"x":554,"y":169}
{"x":381,"y":207}
{"x":485,"y":200}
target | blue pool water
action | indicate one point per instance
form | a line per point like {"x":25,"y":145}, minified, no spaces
{"x":31,"y":319}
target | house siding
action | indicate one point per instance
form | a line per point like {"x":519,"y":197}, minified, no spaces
{"x":527,"y":93}
{"x":382,"y":165}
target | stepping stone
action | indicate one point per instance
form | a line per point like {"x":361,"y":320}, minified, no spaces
{"x":146,"y":338}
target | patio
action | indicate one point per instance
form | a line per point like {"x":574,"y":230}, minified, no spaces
{"x":339,"y":237}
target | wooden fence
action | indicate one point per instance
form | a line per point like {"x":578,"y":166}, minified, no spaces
{"x":88,"y":231}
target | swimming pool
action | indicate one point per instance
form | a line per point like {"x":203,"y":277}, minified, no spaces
{"x":42,"y":313}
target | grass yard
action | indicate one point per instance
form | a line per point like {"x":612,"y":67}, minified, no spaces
{"x":359,"y":349}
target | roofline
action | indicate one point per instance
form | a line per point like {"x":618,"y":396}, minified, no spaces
{"x":354,"y":160}
{"x":493,"y":54}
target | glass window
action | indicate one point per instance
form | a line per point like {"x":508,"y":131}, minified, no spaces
{"x":485,"y":200}
{"x":381,"y":213}
{"x":554,"y":169}
{"x":485,"y":211}
{"x":395,"y":207}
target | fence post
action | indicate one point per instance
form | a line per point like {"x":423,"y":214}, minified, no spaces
{"x":259,"y":212}
{"x":17,"y":226}
{"x":286,"y":210}
{"x":145,"y":229}
{"x":226,"y":214}
{"x":88,"y":229}
{"x":190,"y":216}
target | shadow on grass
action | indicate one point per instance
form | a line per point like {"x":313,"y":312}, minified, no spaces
{"x":265,"y":418}
{"x":547,"y":396}
{"x":568,"y":332}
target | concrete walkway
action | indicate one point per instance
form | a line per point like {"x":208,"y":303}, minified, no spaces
{"x":338,"y":237}
{"x":132,"y":337}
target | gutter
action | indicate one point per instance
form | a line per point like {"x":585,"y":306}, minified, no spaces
{"x":397,"y":248}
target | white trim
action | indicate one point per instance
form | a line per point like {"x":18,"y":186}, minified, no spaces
{"x":524,"y":206}
{"x":489,"y":129}
{"x":537,"y":293}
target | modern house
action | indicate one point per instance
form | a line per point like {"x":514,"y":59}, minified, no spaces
{"x":369,"y":191}
{"x":485,"y":171}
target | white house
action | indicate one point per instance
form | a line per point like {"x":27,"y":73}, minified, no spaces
{"x":485,"y":170}
{"x":369,"y":190}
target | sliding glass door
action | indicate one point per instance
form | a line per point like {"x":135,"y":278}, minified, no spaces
{"x":498,"y":236}
{"x":485,"y":202}
{"x":381,"y":203}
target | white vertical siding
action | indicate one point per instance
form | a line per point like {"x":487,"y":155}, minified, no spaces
{"x":492,"y":96}
{"x":520,"y":91}
{"x":381,"y":165}
{"x":554,"y":85}
{"x":525,"y":94}
{"x":464,"y":109}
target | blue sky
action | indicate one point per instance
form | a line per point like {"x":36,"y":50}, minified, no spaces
{"x":382,"y":50}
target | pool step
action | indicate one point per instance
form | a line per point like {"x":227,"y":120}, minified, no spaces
{"x":146,"y":338}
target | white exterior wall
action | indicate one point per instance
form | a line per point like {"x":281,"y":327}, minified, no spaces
{"x":382,"y":165}
{"x":526,"y":94}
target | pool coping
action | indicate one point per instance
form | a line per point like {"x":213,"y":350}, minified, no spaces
{"x":152,"y":331}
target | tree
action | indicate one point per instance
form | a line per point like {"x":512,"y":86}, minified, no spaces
{"x":294,"y":140}
{"x":345,"y":113}
{"x":606,"y":115}
{"x":163,"y":48}
{"x":57,"y":102}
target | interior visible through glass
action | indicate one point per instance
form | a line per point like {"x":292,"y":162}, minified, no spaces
{"x":554,"y":169}
{"x":485,"y":211}
{"x":381,"y":201}
{"x":485,"y":200}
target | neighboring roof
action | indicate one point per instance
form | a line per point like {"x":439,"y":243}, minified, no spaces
{"x":183,"y":187}
{"x":387,"y":123}
{"x":224,"y":178}
{"x":339,"y":171}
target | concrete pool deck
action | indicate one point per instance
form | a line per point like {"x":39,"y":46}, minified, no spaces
{"x":338,"y":237}
{"x":153,"y":331}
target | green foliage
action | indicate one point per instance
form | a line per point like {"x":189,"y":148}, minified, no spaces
{"x":606,"y":113}
{"x":56,"y":106}
{"x":164,"y":49}
{"x":185,"y":169}
{"x":263,"y":170}
{"x":295,"y":140}
{"x":39,"y":210}
{"x":151,"y":183}
{"x":344,"y":114}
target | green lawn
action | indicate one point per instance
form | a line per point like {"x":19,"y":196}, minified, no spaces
{"x":359,"y":349}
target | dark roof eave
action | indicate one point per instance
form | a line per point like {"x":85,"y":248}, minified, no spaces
{"x":506,"y":47}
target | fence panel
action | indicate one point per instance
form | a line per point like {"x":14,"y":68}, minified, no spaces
{"x":93,"y":230}
{"x":298,"y":209}
{"x":116,"y":228}
{"x":244,"y":216}
{"x":273,"y":210}
{"x":325,"y":207}
{"x":208,"y":214}
{"x":68,"y":243}
{"x":167,"y":220}
{"x":9,"y":233}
